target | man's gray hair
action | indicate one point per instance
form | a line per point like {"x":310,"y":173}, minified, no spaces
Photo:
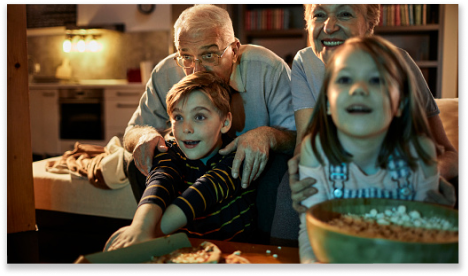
{"x":200,"y":18}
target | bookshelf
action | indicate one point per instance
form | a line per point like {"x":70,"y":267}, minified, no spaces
{"x":278,"y":27}
{"x":420,"y":34}
{"x":430,"y":43}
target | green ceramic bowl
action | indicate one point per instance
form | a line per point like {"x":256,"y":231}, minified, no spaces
{"x":334,"y":245}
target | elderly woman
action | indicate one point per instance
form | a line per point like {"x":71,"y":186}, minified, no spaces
{"x":329,"y":25}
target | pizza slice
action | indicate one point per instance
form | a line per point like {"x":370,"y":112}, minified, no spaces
{"x":206,"y":252}
{"x":235,"y":258}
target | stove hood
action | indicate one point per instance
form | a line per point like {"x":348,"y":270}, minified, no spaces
{"x":93,"y":29}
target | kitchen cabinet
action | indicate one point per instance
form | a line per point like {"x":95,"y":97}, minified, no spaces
{"x":119,"y":106}
{"x":44,"y":113}
{"x":47,"y":109}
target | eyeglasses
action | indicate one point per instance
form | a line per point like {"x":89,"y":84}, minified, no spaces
{"x":210,"y":59}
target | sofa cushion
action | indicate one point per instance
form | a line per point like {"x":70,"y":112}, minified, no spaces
{"x":449,"y":116}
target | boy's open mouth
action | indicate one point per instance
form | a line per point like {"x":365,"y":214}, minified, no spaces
{"x":191,"y":143}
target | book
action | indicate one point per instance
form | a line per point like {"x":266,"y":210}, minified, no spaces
{"x":381,"y":16}
{"x":254,"y":20}
{"x":281,"y":23}
{"x":260,"y":20}
{"x":275,"y":19}
{"x":411,"y":14}
{"x":384,"y":15}
{"x":406,"y":14}
{"x":389,"y":15}
{"x":431,"y":14}
{"x":424,"y":15}
{"x":417,"y":14}
{"x":397,"y":15}
{"x":286,"y":19}
{"x":402,"y":15}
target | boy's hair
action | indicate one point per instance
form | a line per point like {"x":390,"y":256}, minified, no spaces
{"x":403,"y":130}
{"x":201,"y":18}
{"x":372,"y":16}
{"x":206,"y":82}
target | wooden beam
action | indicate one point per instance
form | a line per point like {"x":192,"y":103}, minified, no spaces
{"x":20,"y":190}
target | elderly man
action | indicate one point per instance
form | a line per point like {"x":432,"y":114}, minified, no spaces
{"x":263,"y":119}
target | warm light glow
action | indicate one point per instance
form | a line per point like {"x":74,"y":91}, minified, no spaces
{"x":81,"y":46}
{"x":82,"y":43}
{"x":67,"y":45}
{"x":93,"y":46}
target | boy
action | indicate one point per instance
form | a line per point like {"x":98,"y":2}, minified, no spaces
{"x":190,"y":187}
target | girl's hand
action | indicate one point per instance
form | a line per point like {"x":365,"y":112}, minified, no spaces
{"x":300,"y":189}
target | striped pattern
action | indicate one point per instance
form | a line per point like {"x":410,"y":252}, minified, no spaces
{"x":376,"y":193}
{"x":214,"y":203}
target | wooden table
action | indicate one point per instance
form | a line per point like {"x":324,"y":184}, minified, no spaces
{"x":256,"y":253}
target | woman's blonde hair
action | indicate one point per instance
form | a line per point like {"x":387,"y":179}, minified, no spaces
{"x":206,"y":82}
{"x":372,"y":15}
{"x":403,"y":130}
{"x":200,"y":18}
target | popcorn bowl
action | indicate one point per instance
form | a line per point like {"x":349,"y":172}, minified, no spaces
{"x":333,"y":244}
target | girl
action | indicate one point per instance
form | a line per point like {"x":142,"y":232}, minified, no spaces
{"x":368,"y":136}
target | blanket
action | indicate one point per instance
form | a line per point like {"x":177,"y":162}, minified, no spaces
{"x":103,"y":166}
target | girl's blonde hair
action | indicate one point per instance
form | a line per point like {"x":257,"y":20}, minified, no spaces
{"x":372,"y":15}
{"x":200,"y":18}
{"x":403,"y":130}
{"x":206,"y":82}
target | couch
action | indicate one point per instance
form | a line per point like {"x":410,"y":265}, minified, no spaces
{"x":449,"y":116}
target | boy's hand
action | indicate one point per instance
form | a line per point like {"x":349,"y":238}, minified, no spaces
{"x":143,"y":228}
{"x":300,"y":189}
{"x":144,"y":151}
{"x":253,"y":148}
{"x":125,"y":237}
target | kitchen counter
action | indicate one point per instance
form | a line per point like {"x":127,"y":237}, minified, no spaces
{"x":102,"y":83}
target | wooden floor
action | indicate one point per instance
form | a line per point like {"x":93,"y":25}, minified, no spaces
{"x":61,"y":238}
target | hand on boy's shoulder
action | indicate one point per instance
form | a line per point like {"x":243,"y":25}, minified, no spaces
{"x":307,"y":157}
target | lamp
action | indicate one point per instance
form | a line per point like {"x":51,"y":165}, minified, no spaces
{"x":93,"y":45}
{"x":81,"y":45}
{"x":67,"y":45}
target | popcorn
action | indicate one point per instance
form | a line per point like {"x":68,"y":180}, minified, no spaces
{"x":396,"y":223}
{"x":398,"y":216}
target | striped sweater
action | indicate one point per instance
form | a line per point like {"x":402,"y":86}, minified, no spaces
{"x":214,"y":203}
